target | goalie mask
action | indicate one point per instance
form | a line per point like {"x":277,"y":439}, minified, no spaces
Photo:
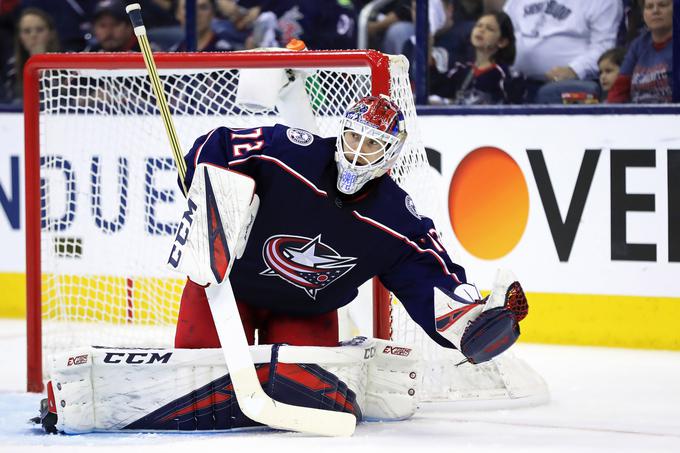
{"x":371,"y":137}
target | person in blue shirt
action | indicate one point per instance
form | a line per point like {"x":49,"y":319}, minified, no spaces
{"x":647,"y":70}
{"x":330,"y":219}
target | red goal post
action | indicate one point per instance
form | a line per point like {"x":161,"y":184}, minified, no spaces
{"x":36,"y":98}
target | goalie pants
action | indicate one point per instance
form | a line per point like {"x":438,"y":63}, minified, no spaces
{"x":195,"y":328}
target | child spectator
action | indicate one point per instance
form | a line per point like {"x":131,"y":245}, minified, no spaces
{"x":481,"y":81}
{"x":646,"y":72}
{"x":609,"y":64}
{"x":35,"y":34}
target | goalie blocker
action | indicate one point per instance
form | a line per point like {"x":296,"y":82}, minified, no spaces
{"x":107,"y":389}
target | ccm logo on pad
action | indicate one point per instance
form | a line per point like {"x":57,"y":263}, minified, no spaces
{"x":137,"y":358}
{"x":394,"y":350}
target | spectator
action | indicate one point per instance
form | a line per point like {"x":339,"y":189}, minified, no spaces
{"x":632,"y":23}
{"x":449,"y":45}
{"x":610,"y":65}
{"x":72,"y":19}
{"x":400,"y":32}
{"x":452,"y":41}
{"x":329,"y":24}
{"x":559,"y":42}
{"x":243,"y":27}
{"x":159,"y":13}
{"x":481,"y":81}
{"x":35,"y":34}
{"x":112,"y":29}
{"x":399,"y":11}
{"x":465,"y":16}
{"x":8,"y":15}
{"x":646,"y":72}
{"x":207,"y":40}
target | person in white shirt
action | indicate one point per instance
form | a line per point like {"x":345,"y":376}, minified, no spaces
{"x":560,"y":41}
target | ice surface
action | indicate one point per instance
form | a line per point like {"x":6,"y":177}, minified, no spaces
{"x":603,"y":400}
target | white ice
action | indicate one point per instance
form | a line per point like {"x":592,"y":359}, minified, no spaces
{"x":602,"y":400}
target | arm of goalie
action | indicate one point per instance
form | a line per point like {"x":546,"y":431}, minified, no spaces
{"x":482,"y":328}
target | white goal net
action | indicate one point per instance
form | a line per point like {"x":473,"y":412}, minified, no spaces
{"x":105,"y":201}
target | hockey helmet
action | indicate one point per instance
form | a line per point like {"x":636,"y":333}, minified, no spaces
{"x":371,"y":137}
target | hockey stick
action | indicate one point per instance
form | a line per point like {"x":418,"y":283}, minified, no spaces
{"x":252,"y":399}
{"x":134,"y":10}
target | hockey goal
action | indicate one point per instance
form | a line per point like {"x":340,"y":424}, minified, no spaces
{"x":102,"y":199}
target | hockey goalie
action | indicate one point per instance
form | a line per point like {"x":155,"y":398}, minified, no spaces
{"x":281,"y":228}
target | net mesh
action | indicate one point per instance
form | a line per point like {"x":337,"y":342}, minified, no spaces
{"x":110,"y":203}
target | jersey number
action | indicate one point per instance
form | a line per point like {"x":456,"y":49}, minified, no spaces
{"x":245,"y":148}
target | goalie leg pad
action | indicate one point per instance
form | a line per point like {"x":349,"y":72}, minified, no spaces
{"x":108,"y":389}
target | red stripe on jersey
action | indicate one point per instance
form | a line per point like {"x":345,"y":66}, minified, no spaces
{"x":198,"y":151}
{"x":285,"y":167}
{"x":408,"y":242}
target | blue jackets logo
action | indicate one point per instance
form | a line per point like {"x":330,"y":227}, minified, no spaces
{"x":306,"y":263}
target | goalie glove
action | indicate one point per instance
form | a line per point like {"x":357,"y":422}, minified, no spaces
{"x":482,"y":328}
{"x":214,"y":229}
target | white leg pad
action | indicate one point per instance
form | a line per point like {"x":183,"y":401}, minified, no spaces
{"x":106,"y":389}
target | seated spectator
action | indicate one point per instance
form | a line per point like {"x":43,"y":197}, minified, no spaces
{"x":632,"y":23}
{"x":646,"y":72}
{"x":244,"y":22}
{"x":9,"y":10}
{"x":447,"y":45}
{"x":610,"y":65}
{"x":158,"y":13}
{"x":401,"y":31}
{"x":112,"y":29}
{"x":35,"y":34}
{"x":72,"y":19}
{"x":162,"y":27}
{"x":452,"y":42}
{"x":465,"y":15}
{"x":398,"y":11}
{"x":481,"y":81}
{"x":559,"y":42}
{"x":207,"y":40}
{"x":329,"y":24}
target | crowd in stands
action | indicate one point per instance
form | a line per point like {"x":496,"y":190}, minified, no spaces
{"x":480,"y":51}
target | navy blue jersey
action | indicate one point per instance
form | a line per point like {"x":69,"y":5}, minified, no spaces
{"x":469,"y":85}
{"x":310,"y":247}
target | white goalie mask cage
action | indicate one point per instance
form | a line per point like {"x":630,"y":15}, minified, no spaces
{"x":372,"y":134}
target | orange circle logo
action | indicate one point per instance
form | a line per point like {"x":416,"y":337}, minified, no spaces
{"x":488,"y":203}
